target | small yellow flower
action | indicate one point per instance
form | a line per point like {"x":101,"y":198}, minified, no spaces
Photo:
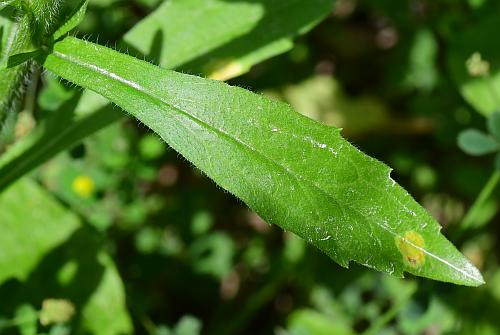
{"x":83,"y":185}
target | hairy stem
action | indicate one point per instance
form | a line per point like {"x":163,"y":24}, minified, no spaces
{"x":29,"y":27}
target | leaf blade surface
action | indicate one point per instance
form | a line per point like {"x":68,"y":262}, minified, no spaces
{"x":293,"y":171}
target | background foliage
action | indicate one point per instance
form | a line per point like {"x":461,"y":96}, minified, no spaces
{"x":140,"y":241}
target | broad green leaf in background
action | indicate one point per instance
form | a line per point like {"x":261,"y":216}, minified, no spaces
{"x":293,"y":171}
{"x":231,"y":41}
{"x":105,"y":313}
{"x":223,"y":39}
{"x":26,"y":318}
{"x":30,"y":216}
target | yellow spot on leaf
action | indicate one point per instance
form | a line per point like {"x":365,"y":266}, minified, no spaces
{"x":84,"y":186}
{"x":224,"y":70}
{"x":410,"y":246}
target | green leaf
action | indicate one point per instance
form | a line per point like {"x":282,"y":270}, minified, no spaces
{"x":213,"y":254}
{"x":31,"y":224}
{"x":188,"y":325}
{"x":308,"y":321}
{"x":26,"y":318}
{"x":74,"y":19}
{"x":477,"y":143}
{"x":293,"y":171}
{"x":43,"y":242}
{"x":20,"y":58}
{"x":223,"y":39}
{"x":493,"y":124}
{"x":105,"y":313}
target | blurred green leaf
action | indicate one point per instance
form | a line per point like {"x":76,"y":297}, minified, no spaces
{"x":422,"y":73}
{"x":310,"y":322}
{"x":188,"y":325}
{"x":53,"y":94}
{"x":147,"y":240}
{"x":295,"y":248}
{"x":151,"y":147}
{"x":26,"y":319}
{"x":201,"y":222}
{"x":494,"y":125}
{"x":424,"y":177}
{"x":213,"y":254}
{"x":292,"y":171}
{"x":59,"y":329}
{"x":228,"y":37}
{"x":105,"y":313}
{"x":477,"y":143}
{"x":30,"y":217}
{"x":73,"y":20}
{"x":497,"y":161}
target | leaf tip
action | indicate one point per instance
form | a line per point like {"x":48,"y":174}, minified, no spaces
{"x":473,"y":276}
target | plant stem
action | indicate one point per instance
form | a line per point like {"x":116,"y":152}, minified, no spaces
{"x":471,"y":216}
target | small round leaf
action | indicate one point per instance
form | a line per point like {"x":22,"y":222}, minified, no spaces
{"x":476,"y":143}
